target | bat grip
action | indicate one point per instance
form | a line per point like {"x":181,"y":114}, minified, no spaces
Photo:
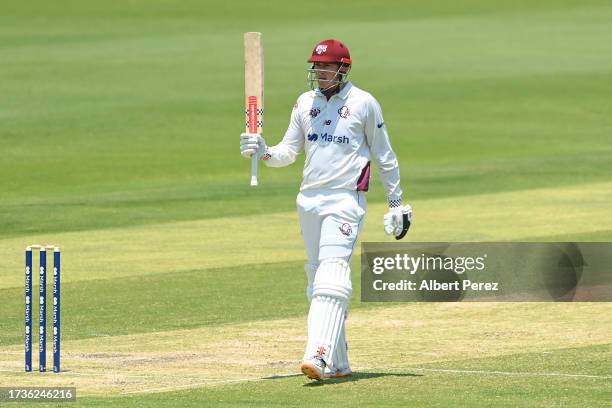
{"x":252,"y":112}
{"x":254,"y":170}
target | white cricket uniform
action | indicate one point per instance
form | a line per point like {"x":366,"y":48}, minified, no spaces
{"x":339,"y":137}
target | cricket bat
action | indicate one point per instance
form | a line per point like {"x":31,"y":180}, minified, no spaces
{"x":253,"y":90}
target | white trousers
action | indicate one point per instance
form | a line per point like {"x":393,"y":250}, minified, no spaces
{"x":331,"y":221}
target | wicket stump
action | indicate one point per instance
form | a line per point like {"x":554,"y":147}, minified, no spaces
{"x":42,"y":321}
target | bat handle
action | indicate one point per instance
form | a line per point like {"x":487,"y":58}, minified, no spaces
{"x":254,"y":170}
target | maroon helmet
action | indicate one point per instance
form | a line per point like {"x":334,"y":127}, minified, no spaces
{"x":331,"y":51}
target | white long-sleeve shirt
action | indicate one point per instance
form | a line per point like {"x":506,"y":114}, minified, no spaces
{"x":339,"y":136}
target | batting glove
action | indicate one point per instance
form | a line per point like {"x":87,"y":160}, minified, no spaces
{"x":252,"y":143}
{"x":398,"y":220}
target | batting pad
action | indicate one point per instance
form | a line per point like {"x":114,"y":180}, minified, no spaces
{"x":311,"y":270}
{"x":331,"y":292}
{"x":340,"y":356}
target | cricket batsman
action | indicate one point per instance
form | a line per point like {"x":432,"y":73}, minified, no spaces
{"x":341,"y":129}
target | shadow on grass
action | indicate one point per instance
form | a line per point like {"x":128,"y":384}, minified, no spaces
{"x":358,"y":377}
{"x":352,"y":378}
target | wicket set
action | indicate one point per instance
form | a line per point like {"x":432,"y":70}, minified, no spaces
{"x":42,"y":343}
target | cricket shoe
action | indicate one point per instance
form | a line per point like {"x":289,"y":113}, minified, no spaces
{"x":337,"y":372}
{"x":314,"y":368}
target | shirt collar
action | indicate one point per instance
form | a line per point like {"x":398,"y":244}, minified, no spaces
{"x":343,"y":94}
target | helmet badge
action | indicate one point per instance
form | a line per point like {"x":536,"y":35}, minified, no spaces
{"x":321,"y":48}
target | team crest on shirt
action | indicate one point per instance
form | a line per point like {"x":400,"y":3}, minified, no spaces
{"x":344,"y":112}
{"x":346,"y":229}
{"x":321,"y":48}
{"x":314,"y":112}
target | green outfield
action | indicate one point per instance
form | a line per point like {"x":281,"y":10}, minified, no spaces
{"x":182,"y":285}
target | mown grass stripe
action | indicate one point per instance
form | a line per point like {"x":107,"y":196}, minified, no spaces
{"x":241,"y":241}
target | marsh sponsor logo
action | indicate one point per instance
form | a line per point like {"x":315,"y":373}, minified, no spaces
{"x":324,"y":139}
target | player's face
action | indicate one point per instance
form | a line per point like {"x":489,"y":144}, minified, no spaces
{"x":326,"y":73}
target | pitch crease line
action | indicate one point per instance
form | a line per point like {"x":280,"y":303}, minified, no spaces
{"x":509,"y":373}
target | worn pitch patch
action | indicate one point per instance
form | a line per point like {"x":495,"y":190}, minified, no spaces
{"x":400,"y":336}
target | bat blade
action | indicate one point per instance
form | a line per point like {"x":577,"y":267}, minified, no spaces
{"x":253,"y":90}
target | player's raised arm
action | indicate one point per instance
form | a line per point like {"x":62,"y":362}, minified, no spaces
{"x":284,"y":153}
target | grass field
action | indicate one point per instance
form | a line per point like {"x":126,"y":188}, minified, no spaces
{"x":119,"y":126}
